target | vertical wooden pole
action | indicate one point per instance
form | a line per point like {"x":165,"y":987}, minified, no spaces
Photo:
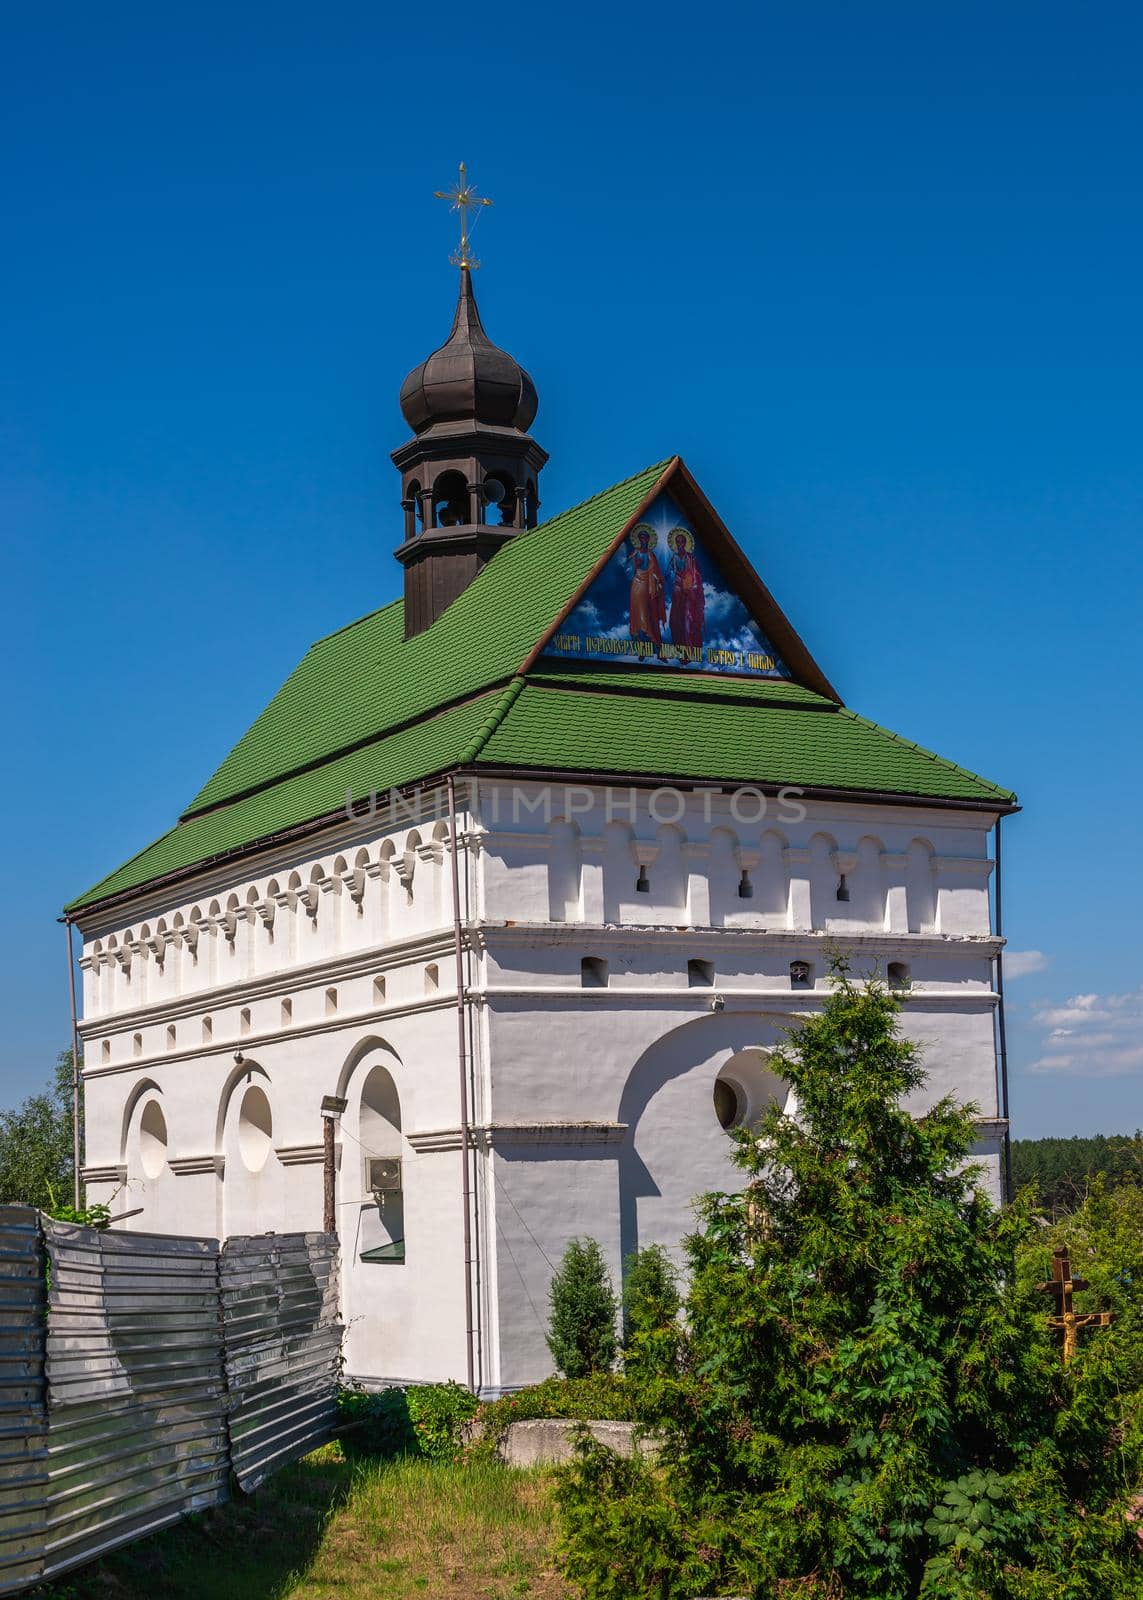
{"x":329,"y":1210}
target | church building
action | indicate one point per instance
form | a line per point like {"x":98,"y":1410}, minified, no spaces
{"x":512,"y":889}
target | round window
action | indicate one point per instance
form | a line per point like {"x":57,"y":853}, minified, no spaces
{"x":255,"y":1129}
{"x":152,"y":1139}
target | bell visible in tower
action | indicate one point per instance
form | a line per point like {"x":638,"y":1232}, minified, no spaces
{"x":469,"y":473}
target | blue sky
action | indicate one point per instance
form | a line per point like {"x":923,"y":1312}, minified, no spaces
{"x":874,"y":271}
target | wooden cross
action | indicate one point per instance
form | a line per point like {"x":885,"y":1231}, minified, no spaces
{"x":1061,"y":1286}
{"x":461,"y":198}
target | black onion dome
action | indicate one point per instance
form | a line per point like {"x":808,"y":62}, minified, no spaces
{"x":469,"y":379}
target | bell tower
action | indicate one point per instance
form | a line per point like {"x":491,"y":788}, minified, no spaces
{"x":469,"y":474}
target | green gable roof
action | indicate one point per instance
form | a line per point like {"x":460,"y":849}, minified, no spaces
{"x":367,"y":710}
{"x":367,"y":678}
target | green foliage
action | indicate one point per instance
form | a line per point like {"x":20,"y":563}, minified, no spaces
{"x":36,"y":1144}
{"x":425,"y":1420}
{"x":604,"y":1397}
{"x":94,"y":1216}
{"x":1062,"y":1169}
{"x":439,"y":1411}
{"x":375,"y":1424}
{"x":651,"y":1305}
{"x":868,"y":1403}
{"x":581,"y":1324}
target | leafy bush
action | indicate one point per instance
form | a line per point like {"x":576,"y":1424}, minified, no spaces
{"x":376,"y":1424}
{"x":581,"y":1326}
{"x":439,"y":1412}
{"x":93,"y":1216}
{"x":424,"y":1420}
{"x":602,"y":1397}
{"x":861,"y":1371}
{"x":650,"y":1313}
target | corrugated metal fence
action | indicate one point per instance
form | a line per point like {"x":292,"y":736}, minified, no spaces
{"x":137,"y":1370}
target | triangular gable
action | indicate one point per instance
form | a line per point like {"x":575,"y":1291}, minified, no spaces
{"x":674,"y":592}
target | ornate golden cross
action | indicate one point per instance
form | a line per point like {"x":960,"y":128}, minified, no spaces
{"x":462,"y":198}
{"x":1061,"y":1286}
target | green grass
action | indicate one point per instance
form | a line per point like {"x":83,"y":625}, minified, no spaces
{"x":326,"y":1529}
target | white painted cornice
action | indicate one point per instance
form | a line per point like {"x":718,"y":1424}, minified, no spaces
{"x":282,"y":981}
{"x":335,"y":836}
{"x":486,"y":934}
{"x":115,"y":1173}
{"x":250,"y":1043}
{"x":550,"y":997}
{"x":302,"y":1155}
{"x":498,"y":1135}
{"x":192,"y":1166}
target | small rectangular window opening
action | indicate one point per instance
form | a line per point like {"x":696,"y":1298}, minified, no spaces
{"x":593,"y":973}
{"x":700,"y":974}
{"x":331,"y":1002}
{"x":287,"y":1012}
{"x":642,"y":882}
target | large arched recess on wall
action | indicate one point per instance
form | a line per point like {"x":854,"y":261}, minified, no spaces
{"x":234,"y":1078}
{"x":355,"y":1057}
{"x":144,"y":1087}
{"x":673,"y":1054}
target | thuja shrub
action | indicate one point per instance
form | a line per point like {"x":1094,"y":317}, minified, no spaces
{"x":651,"y":1305}
{"x":581,"y":1323}
{"x":868,"y":1403}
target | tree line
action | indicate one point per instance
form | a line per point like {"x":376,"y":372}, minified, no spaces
{"x":1062,"y":1169}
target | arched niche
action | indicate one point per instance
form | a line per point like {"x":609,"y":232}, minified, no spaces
{"x":255,"y":1128}
{"x":921,"y":886}
{"x":450,"y":500}
{"x":824,"y":881}
{"x":153,"y":1139}
{"x":564,"y":872}
{"x":675,"y":1147}
{"x":771,"y":879}
{"x":724,"y":875}
{"x":381,"y":1152}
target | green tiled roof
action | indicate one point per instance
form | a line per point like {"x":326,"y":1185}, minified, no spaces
{"x":668,"y":735}
{"x":350,"y":685}
{"x":367,"y":710}
{"x":431,"y":746}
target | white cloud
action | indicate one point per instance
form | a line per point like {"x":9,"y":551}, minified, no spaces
{"x":1019,"y":963}
{"x":1092,"y":1035}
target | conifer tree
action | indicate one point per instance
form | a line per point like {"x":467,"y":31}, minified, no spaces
{"x":868,"y":1403}
{"x":651,"y":1304}
{"x":581,"y":1326}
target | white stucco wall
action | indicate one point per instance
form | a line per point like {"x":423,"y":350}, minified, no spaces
{"x":592,"y":1107}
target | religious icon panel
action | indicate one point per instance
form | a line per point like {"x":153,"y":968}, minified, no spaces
{"x":661,"y":600}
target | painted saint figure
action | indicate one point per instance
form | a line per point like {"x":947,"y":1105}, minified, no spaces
{"x":648,"y":604}
{"x":688,"y":602}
